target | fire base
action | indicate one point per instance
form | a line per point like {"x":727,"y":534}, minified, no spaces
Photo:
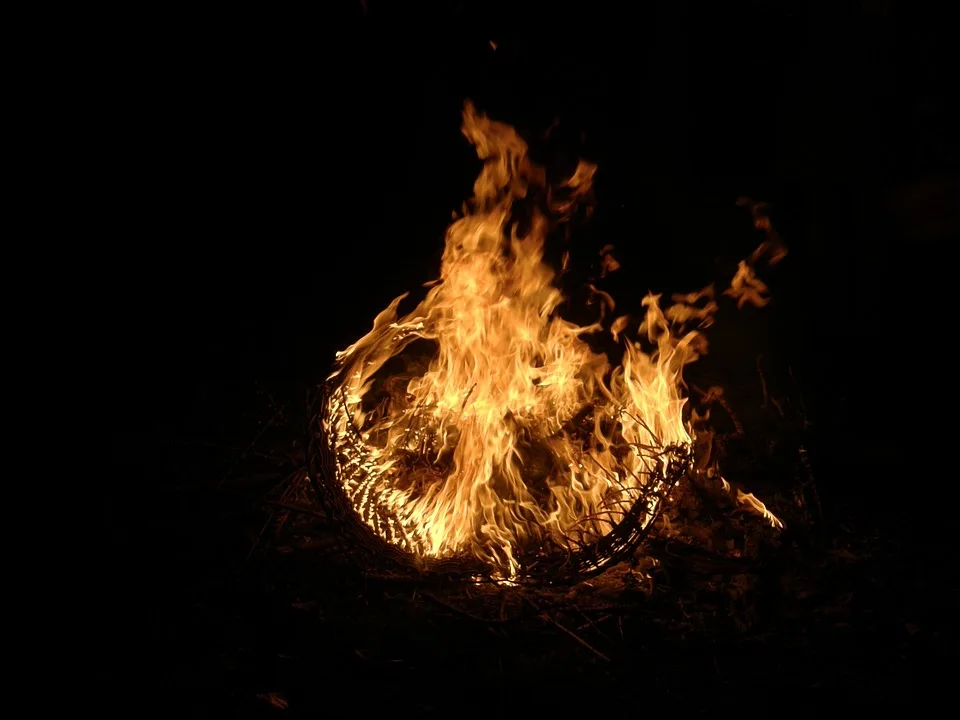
{"x":557,"y":565}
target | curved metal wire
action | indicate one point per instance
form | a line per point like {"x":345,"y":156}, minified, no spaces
{"x":559,"y":562}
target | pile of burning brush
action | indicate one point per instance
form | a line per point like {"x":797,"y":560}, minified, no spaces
{"x":481,"y":435}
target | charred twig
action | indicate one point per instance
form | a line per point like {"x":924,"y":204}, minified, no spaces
{"x":713,"y":562}
{"x":643,"y":423}
{"x":463,"y":405}
{"x":802,"y":451}
{"x":577,"y":638}
{"x":719,"y":398}
{"x":571,"y":424}
{"x":462,"y":611}
{"x":593,"y":623}
{"x":763,"y":381}
{"x":259,"y":536}
{"x":621,"y":609}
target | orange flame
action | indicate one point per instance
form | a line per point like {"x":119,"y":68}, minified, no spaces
{"x":476,"y":450}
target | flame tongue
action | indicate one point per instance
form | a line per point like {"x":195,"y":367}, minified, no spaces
{"x":516,"y":434}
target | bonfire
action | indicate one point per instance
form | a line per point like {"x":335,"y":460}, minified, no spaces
{"x":482,"y":432}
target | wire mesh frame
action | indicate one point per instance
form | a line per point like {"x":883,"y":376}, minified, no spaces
{"x":377,"y":556}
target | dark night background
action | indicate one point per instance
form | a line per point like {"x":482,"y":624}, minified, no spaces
{"x":285,"y":174}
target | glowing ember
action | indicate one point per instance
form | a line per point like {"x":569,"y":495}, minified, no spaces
{"x":481,"y":423}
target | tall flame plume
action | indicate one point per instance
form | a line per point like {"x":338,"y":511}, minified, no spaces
{"x":482,"y":423}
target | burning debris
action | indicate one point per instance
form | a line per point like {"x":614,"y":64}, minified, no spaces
{"x":480,"y":433}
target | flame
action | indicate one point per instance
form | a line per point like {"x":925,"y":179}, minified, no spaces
{"x":512,"y":432}
{"x":752,"y":503}
{"x":746,"y":287}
